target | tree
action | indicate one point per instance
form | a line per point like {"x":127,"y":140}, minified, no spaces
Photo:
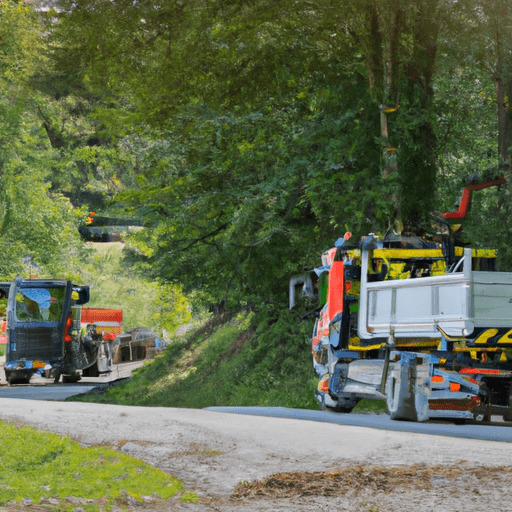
{"x":477,"y":66}
{"x":400,"y":43}
{"x":258,"y":132}
{"x":34,"y":224}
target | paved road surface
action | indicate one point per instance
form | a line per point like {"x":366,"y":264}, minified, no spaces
{"x":496,"y":430}
{"x":44,"y":389}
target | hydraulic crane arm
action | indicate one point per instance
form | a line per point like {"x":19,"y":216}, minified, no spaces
{"x":466,"y":198}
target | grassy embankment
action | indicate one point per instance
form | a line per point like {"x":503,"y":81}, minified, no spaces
{"x":56,"y":472}
{"x":251,"y":359}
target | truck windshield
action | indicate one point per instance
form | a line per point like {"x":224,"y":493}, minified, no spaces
{"x":39,"y":304}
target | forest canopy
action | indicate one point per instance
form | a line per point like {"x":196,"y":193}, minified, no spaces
{"x":249,"y":135}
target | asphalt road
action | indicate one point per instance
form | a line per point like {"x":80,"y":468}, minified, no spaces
{"x":44,"y":389}
{"x":493,"y":431}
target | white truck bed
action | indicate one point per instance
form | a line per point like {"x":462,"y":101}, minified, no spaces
{"x":455,"y":302}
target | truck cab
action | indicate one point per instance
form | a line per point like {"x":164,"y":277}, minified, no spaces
{"x":43,"y":329}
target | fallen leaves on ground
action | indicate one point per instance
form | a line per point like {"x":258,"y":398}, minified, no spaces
{"x":353,"y":480}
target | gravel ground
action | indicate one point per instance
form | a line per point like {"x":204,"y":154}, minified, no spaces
{"x":260,"y":464}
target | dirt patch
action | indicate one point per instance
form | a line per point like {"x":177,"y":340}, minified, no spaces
{"x":355,"y":480}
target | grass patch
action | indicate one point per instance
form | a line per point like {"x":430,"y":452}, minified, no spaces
{"x":371,"y":406}
{"x":39,"y":465}
{"x":253,"y":359}
{"x":259,"y":359}
{"x":2,"y":349}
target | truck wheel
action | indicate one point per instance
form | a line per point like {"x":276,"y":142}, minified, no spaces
{"x":399,"y":399}
{"x":339,"y":409}
{"x":92,"y":371}
{"x":17,"y":377}
{"x":346,"y":404}
{"x":71,"y":378}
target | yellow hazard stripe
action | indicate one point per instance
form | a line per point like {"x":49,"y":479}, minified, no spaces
{"x":354,"y":345}
{"x":429,"y":253}
{"x":360,"y":348}
{"x":477,"y":349}
{"x":506,"y":337}
{"x":477,"y":253}
{"x":422,"y":253}
{"x":484,"y":337}
{"x":408,"y":253}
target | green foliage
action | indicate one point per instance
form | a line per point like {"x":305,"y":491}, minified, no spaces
{"x":39,"y":465}
{"x":489,"y":225}
{"x":145,"y":303}
{"x":35,"y":224}
{"x":238,"y":194}
{"x":258,"y":358}
{"x":371,"y":406}
{"x":268,"y":142}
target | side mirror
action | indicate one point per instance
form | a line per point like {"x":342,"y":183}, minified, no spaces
{"x":83,"y":294}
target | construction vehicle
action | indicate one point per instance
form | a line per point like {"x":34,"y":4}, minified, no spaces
{"x":102,"y":327}
{"x":44,"y":332}
{"x":425,"y":326}
{"x":107,"y":322}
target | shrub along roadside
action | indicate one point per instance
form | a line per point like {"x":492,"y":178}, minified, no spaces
{"x":41,"y":467}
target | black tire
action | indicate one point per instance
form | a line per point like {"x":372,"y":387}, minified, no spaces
{"x":72,"y":378}
{"x":17,"y":377}
{"x":344,"y":405}
{"x":91,"y":371}
{"x":399,"y":399}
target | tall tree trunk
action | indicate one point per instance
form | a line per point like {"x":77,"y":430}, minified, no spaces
{"x":503,"y":85}
{"x":405,"y":89}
